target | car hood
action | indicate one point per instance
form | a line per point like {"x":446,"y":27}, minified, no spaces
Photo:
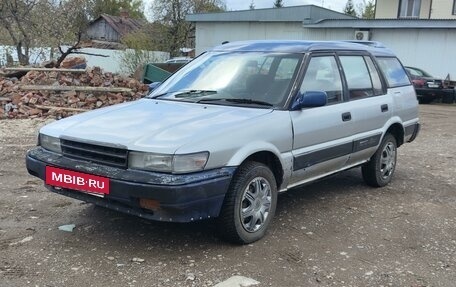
{"x":151,"y":125}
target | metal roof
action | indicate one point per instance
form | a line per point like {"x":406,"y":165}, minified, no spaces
{"x":122,"y":25}
{"x":295,"y":46}
{"x":285,"y":14}
{"x":383,"y":23}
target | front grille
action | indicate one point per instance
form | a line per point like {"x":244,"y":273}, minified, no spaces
{"x":95,"y":153}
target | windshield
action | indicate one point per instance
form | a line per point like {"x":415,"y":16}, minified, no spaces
{"x":233,"y":78}
{"x":417,"y":72}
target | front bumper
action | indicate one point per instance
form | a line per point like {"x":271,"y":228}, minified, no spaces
{"x":177,"y":198}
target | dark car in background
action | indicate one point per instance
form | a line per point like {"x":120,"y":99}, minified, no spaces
{"x":429,"y":88}
{"x":422,"y":79}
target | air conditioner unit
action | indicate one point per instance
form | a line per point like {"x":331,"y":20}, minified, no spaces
{"x":362,"y":35}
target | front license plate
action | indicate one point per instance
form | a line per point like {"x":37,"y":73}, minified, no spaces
{"x":76,"y":180}
{"x":433,"y":85}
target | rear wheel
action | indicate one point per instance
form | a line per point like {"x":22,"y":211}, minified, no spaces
{"x":249,"y":204}
{"x":380,"y":169}
{"x":424,"y":101}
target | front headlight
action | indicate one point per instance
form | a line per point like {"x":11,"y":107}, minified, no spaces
{"x":150,"y":161}
{"x":182,"y":163}
{"x":50,"y":143}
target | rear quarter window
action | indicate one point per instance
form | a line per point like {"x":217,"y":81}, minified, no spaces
{"x":394,"y":72}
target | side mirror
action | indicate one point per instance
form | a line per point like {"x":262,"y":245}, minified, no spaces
{"x":153,"y":86}
{"x":310,"y":99}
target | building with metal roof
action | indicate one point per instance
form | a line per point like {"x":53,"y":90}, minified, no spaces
{"x":285,"y":14}
{"x":111,"y":29}
{"x":271,"y":23}
{"x":407,"y":23}
{"x":419,"y":42}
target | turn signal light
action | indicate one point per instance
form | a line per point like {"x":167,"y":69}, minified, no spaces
{"x":149,"y":203}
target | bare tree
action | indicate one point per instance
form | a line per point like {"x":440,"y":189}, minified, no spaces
{"x":349,"y":8}
{"x":278,"y":4}
{"x":135,"y":8}
{"x":15,"y":18}
{"x":34,"y":23}
{"x":171,"y":14}
{"x":368,"y":9}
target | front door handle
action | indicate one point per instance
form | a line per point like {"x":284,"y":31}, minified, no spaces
{"x":384,"y":108}
{"x":346,"y":116}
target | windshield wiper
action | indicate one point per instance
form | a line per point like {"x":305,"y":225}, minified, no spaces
{"x":237,"y":101}
{"x":249,"y":101}
{"x":186,"y":94}
{"x":194,"y":93}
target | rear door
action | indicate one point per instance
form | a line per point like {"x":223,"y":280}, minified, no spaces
{"x":370,"y":105}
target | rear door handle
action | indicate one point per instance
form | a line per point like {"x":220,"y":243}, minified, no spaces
{"x":346,"y":116}
{"x":384,"y":108}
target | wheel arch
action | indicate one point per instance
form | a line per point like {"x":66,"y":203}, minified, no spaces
{"x":397,"y":130}
{"x":269,"y":159}
{"x":266,"y":153}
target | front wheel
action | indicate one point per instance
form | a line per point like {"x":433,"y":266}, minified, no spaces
{"x":249,"y":204}
{"x":379,"y":170}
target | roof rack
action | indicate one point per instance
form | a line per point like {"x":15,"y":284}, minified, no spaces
{"x":373,"y":44}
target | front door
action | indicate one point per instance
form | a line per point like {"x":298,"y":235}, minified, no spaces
{"x":322,"y":141}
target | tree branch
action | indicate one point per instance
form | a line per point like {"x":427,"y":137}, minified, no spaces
{"x":68,"y":51}
{"x":89,"y":54}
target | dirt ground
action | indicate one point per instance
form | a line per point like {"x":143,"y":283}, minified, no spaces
{"x":336,"y":232}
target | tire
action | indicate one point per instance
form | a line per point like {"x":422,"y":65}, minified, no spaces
{"x":253,"y":190}
{"x":379,"y":170}
{"x":448,"y":99}
{"x":425,"y":101}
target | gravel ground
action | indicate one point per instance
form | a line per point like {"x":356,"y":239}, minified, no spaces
{"x":337,"y":232}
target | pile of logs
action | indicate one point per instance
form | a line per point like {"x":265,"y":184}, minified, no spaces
{"x":47,"y":92}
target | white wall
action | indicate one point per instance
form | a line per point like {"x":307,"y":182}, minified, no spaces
{"x":112,"y":63}
{"x":442,"y":9}
{"x":37,"y":55}
{"x":386,"y":9}
{"x":212,"y":34}
{"x":429,"y":49}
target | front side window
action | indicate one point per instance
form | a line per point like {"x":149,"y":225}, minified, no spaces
{"x":409,"y":8}
{"x":233,"y":78}
{"x":357,"y":75}
{"x":322,"y":74}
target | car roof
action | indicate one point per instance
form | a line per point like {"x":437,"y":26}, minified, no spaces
{"x":296,"y":46}
{"x":413,"y":68}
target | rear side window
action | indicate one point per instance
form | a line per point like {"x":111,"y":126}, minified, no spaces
{"x":376,"y":82}
{"x":357,"y":75}
{"x":393,"y":71}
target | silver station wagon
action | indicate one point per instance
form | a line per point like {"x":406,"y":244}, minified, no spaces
{"x":232,"y":128}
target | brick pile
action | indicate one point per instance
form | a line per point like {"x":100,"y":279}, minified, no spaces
{"x":18,"y":103}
